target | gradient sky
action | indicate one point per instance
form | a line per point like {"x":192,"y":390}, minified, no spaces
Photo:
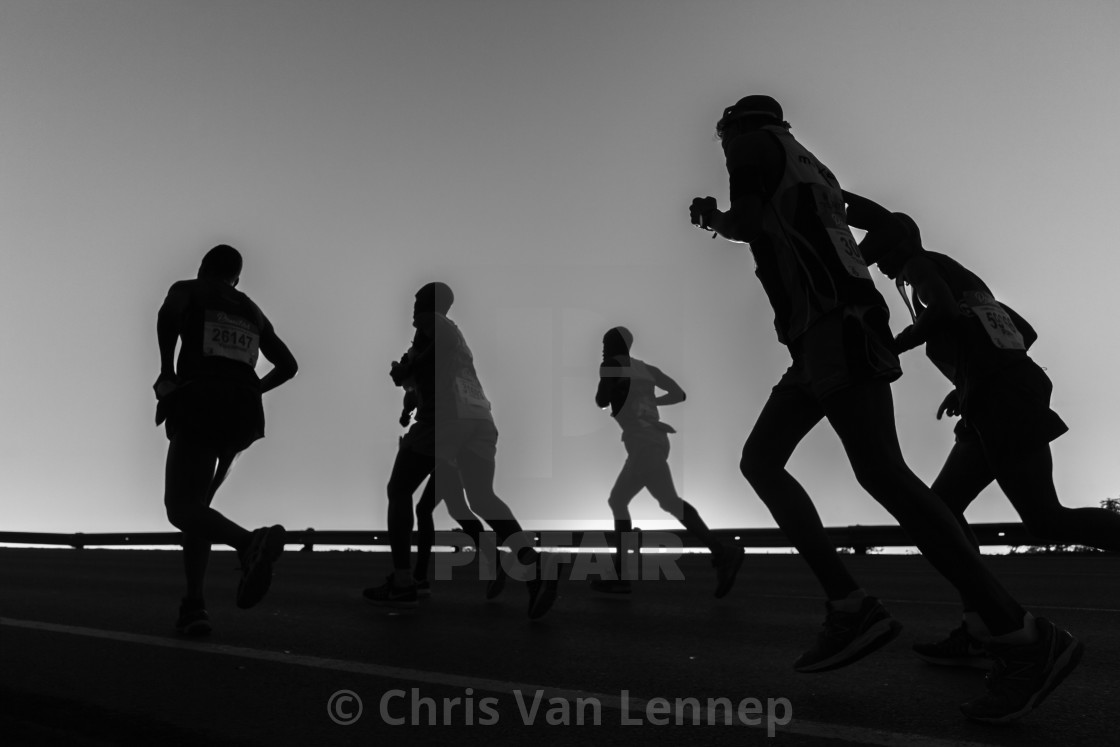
{"x":539,"y":157}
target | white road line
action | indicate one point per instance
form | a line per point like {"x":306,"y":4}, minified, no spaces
{"x":892,"y":600}
{"x":855,"y":734}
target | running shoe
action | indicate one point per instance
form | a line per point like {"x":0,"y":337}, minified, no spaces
{"x":849,"y":636}
{"x":193,"y":620}
{"x":391,"y":595}
{"x":423,"y":587}
{"x":544,"y":588}
{"x":265,"y":547}
{"x":960,"y":649}
{"x":611,"y":586}
{"x":727,"y":563}
{"x":1024,"y":674}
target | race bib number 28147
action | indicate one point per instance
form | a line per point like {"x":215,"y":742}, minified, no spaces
{"x":230,"y":336}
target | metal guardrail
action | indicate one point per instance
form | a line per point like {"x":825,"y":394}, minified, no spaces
{"x":857,"y":538}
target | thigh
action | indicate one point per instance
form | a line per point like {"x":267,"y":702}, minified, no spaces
{"x":189,"y":471}
{"x":409,"y":470}
{"x":966,"y":472}
{"x":427,"y":502}
{"x":787,"y":417}
{"x":633,"y":476}
{"x":1027,"y":479}
{"x":863,"y":418}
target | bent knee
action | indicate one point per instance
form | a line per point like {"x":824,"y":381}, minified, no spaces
{"x":757,"y":466}
{"x":618,"y":503}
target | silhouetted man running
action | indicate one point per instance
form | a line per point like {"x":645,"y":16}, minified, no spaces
{"x":628,"y":386}
{"x":443,"y":486}
{"x":211,"y":401}
{"x":1003,"y":399}
{"x":454,"y":426}
{"x":789,"y":207}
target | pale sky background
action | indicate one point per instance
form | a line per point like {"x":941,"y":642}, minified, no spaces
{"x":540,"y":157}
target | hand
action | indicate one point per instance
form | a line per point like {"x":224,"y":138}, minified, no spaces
{"x":164,"y":386}
{"x":397,"y":373}
{"x":406,"y":418}
{"x":950,"y":406}
{"x":700,"y":211}
{"x":904,"y":341}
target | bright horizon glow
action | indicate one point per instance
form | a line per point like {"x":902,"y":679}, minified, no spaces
{"x":540,"y":158}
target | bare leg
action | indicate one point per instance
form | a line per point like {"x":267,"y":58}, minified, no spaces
{"x":786,"y":419}
{"x":863,"y":418}
{"x":1028,"y":481}
{"x":190,"y":485}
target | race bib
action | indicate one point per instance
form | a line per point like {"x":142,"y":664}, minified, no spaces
{"x":469,"y":394}
{"x":830,"y":208}
{"x":230,"y":336}
{"x":995,"y":320}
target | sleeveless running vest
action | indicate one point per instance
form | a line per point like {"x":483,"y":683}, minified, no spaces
{"x":638,"y":413}
{"x":220,"y":331}
{"x":807,"y":259}
{"x":985,"y":340}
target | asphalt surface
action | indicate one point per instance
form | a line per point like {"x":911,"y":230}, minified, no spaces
{"x":89,"y":657}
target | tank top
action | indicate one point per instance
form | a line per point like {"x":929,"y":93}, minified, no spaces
{"x":220,"y":331}
{"x":806,"y":257}
{"x":985,"y":339}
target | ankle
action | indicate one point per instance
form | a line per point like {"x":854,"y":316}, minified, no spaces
{"x":851,"y":603}
{"x":975,"y":625}
{"x":1028,"y":633}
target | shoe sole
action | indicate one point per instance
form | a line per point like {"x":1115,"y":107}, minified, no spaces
{"x":873,"y":639}
{"x":737,"y":563}
{"x":972,"y":662}
{"x":256,"y":582}
{"x":197,"y":629}
{"x":1064,"y":664}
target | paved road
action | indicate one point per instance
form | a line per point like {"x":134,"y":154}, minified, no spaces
{"x":88,"y":657}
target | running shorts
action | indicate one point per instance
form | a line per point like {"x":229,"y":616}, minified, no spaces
{"x":450,"y":438}
{"x":1009,"y":412}
{"x":844,"y":348}
{"x":228,"y":416}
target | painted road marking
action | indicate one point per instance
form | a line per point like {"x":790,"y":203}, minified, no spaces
{"x":855,"y":734}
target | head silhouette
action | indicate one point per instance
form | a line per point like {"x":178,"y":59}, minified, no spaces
{"x":223,"y":262}
{"x":892,"y":259}
{"x":748,"y":113}
{"x":617,"y":341}
{"x":435,"y":297}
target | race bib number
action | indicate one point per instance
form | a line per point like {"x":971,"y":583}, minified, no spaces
{"x":995,"y":320}
{"x":830,"y":208}
{"x":469,"y":393}
{"x":230,"y":336}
